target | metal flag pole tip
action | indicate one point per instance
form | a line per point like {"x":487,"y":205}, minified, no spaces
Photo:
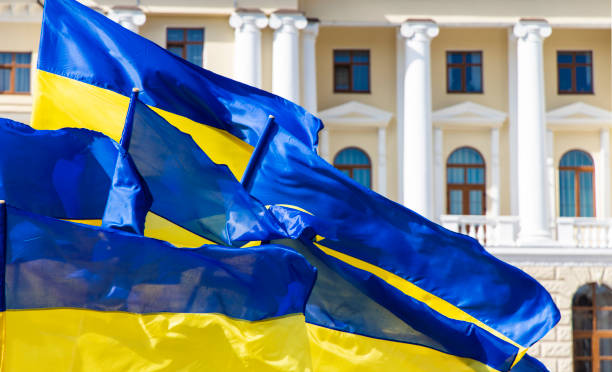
{"x":135,"y":90}
{"x":270,"y":116}
{"x":2,"y":202}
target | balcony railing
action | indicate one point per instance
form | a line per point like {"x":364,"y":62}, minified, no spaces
{"x":502,"y":231}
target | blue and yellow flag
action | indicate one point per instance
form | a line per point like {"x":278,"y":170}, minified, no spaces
{"x":441,"y":289}
{"x":188,"y":188}
{"x":88,"y":65}
{"x":84,"y":298}
{"x":59,"y":173}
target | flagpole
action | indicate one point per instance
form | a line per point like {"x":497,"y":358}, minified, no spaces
{"x":129,"y":120}
{"x":249,"y":173}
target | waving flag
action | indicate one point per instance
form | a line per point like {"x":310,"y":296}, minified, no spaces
{"x":457,"y":297}
{"x":88,"y":65}
{"x":187,"y":187}
{"x":84,"y":298}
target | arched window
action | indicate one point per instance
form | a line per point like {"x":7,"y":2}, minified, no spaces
{"x":576,"y":186}
{"x":465,"y":182}
{"x":356,"y":164}
{"x":592,"y":328}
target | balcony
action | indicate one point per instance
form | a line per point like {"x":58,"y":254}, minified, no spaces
{"x":502,"y":231}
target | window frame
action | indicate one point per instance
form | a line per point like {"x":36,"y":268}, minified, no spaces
{"x":594,"y":334}
{"x":577,"y":170}
{"x":463,"y":67}
{"x":465,"y":188}
{"x":573,"y":66}
{"x":351,"y":167}
{"x":350,"y":65}
{"x":185,"y":42}
{"x":14,"y":66}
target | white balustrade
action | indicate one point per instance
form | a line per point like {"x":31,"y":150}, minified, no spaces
{"x":584,"y":232}
{"x":490,"y":231}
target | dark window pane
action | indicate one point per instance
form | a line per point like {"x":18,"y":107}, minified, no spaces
{"x":361,"y":77}
{"x":454,"y":57}
{"x":194,"y":54}
{"x":565,"y":79}
{"x":6,"y":58}
{"x":455,"y":175}
{"x":582,"y":347}
{"x":465,"y":155}
{"x":178,"y":50}
{"x":473,"y":57}
{"x":583,"y":296}
{"x":584,"y":57}
{"x":342,"y":56}
{"x":567,"y":199}
{"x":475,"y":176}
{"x":582,"y":366}
{"x":476,"y":202}
{"x":351,"y":156}
{"x":174,"y":34}
{"x":362,"y":176}
{"x":604,"y":295}
{"x":195,"y":35}
{"x":363,"y":56}
{"x":564,"y":57}
{"x":605,"y":366}
{"x":341,"y":77}
{"x":473,"y":82}
{"x":454,"y":79}
{"x":576,"y":158}
{"x":23,"y":58}
{"x":586,"y":194}
{"x":604,"y":319}
{"x":582,"y":320}
{"x":605,"y":346}
{"x":5,"y":79}
{"x":22,"y":80}
{"x":584,"y":79}
{"x":455,"y":202}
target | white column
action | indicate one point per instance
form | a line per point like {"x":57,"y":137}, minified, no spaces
{"x":512,"y":130}
{"x":129,"y":17}
{"x":532,"y":175}
{"x":324,"y":144}
{"x":285,"y":54}
{"x":602,"y":174}
{"x":247,"y":45}
{"x":493,"y":209}
{"x":382,"y":161}
{"x":439,"y":172}
{"x":417,"y":132}
{"x":550,"y":169}
{"x":399,"y":77}
{"x":309,"y":66}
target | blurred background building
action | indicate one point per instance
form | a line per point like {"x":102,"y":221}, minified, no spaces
{"x":490,"y":117}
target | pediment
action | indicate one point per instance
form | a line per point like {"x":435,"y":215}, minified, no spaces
{"x":355,"y":114}
{"x":468,"y":114}
{"x":578,"y":115}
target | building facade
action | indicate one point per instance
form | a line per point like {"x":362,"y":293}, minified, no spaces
{"x":490,"y":117}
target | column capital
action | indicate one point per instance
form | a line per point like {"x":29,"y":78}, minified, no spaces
{"x":253,"y":19}
{"x":288,"y":21}
{"x":130,"y":17}
{"x":532,"y":29}
{"x":312,"y":28}
{"x":420,"y":29}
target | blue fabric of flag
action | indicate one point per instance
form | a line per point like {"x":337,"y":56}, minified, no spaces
{"x":529,"y":364}
{"x":188,"y":188}
{"x":95,"y":268}
{"x":63,"y":173}
{"x":359,"y":223}
{"x":84,"y":45}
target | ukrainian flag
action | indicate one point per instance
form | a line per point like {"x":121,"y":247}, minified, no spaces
{"x":88,"y":65}
{"x":83,"y":298}
{"x":413,"y":289}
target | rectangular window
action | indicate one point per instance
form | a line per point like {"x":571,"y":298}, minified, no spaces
{"x":187,"y":43}
{"x":575,"y":72}
{"x":15,"y":73}
{"x":352,"y":71}
{"x":464,"y":72}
